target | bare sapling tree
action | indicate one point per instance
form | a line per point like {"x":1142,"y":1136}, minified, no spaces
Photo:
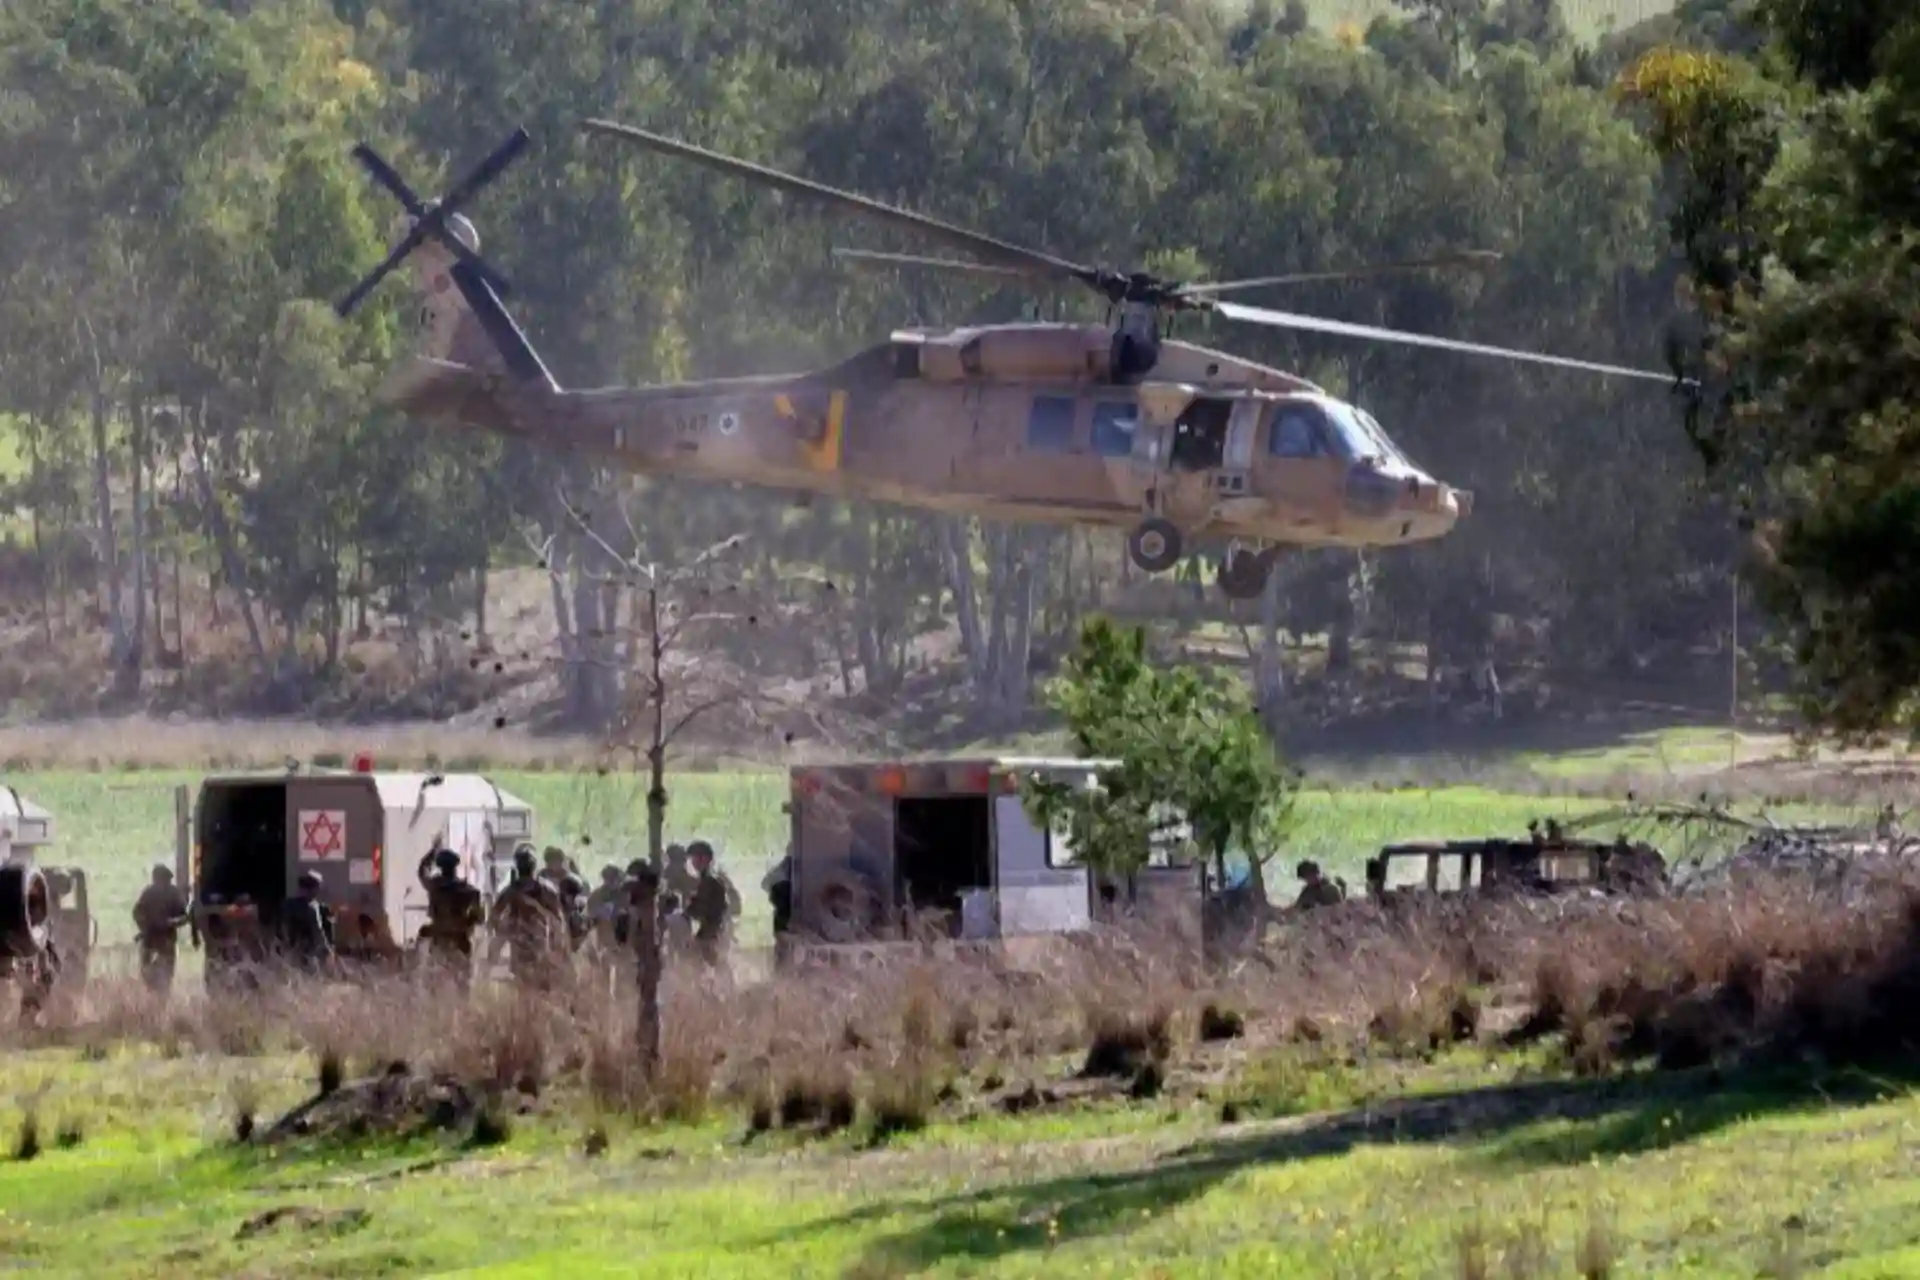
{"x":690,"y":650}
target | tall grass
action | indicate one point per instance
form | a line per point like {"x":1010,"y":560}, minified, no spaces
{"x":1778,"y":967}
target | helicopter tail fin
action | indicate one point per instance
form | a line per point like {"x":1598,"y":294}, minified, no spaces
{"x":461,"y":320}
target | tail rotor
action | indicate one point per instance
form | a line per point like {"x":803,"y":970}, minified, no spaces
{"x":440,"y":221}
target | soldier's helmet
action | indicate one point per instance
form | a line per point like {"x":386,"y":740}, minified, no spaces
{"x":310,"y":880}
{"x":162,"y":873}
{"x":446,"y":861}
{"x":524,"y":861}
{"x":1307,"y":869}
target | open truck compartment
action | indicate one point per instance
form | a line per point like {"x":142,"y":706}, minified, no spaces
{"x":941,"y":848}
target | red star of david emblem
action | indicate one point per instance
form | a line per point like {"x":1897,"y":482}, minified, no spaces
{"x":322,"y":836}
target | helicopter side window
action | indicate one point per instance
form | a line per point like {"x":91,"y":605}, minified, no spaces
{"x":1050,"y":425}
{"x":1114,"y":425}
{"x":1296,"y":433}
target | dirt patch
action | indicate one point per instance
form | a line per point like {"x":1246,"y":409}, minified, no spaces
{"x":397,"y":1104}
{"x":300,"y":1217}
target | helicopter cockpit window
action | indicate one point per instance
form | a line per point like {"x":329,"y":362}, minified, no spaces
{"x":1050,"y":425}
{"x":1362,"y":436}
{"x":1114,"y":425}
{"x":1298,"y":432}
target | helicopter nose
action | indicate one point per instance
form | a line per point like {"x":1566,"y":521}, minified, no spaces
{"x":1429,"y":509}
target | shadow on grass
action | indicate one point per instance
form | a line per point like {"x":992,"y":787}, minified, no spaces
{"x":1621,"y":1117}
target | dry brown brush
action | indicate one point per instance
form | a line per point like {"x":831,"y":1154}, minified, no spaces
{"x":1776,"y":966}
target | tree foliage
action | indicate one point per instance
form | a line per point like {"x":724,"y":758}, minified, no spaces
{"x":199,"y":472}
{"x":1182,"y":743}
{"x":1799,"y":217}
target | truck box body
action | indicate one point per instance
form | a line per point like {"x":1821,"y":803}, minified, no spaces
{"x":950,"y":837}
{"x":365,"y":834}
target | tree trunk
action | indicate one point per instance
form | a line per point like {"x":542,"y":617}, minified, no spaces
{"x":128,"y":676}
{"x":109,"y":542}
{"x":956,"y":551}
{"x":231,"y":564}
{"x":643,"y":900}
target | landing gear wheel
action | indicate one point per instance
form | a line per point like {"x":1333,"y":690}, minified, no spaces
{"x":1154,"y":545}
{"x":1244,"y":573}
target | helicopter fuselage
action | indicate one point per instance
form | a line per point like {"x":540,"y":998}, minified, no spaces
{"x":1018,"y":422}
{"x":1008,"y":422}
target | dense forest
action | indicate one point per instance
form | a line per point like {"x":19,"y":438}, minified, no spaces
{"x":207,"y":515}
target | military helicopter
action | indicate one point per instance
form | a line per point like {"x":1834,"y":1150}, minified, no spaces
{"x":1115,"y":424}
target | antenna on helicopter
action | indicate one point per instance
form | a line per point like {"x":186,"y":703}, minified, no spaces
{"x":442,"y":222}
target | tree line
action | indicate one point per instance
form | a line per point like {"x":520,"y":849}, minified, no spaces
{"x":188,"y":427}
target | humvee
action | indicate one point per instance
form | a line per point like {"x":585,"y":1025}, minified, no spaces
{"x":1502,"y":865}
{"x":944,"y":850}
{"x":243,"y":841}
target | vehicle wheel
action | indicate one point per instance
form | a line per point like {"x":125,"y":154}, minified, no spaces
{"x":1244,"y":574}
{"x":25,"y":911}
{"x":1154,"y":545}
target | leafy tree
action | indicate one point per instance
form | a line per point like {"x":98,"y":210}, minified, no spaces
{"x":1798,"y":214}
{"x":1182,"y":741}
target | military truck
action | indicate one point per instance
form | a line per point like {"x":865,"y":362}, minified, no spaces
{"x":945,"y":850}
{"x":244,"y":840}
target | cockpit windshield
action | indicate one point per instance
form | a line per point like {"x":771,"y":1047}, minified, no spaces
{"x":1364,"y":437}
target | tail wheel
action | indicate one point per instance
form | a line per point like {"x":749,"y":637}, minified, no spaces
{"x":26,"y":911}
{"x":1154,"y":544}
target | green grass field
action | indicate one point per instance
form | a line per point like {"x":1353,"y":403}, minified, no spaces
{"x":1740,"y":1178}
{"x":1438,"y":1167}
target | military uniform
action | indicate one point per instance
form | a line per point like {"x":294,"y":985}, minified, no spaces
{"x":677,"y":878}
{"x":454,"y":911}
{"x":308,"y":927}
{"x":1316,"y":890}
{"x":529,"y":916}
{"x":157,"y":917}
{"x":714,"y":905}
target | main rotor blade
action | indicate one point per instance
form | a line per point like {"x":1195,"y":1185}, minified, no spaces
{"x":999,"y":251}
{"x":1372,"y":333}
{"x":1480,"y":258}
{"x":875,"y":257}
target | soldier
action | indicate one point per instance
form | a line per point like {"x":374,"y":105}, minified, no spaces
{"x":573,"y":906}
{"x":604,"y":907}
{"x":678,"y":878}
{"x":557,"y":867}
{"x":36,"y":976}
{"x":778,"y":886}
{"x":309,"y":926}
{"x":157,"y":918}
{"x":454,"y":911}
{"x":714,"y":905}
{"x":1316,"y":890}
{"x":529,"y":917}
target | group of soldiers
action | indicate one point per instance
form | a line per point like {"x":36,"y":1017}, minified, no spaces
{"x":546,"y":917}
{"x":238,"y":945}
